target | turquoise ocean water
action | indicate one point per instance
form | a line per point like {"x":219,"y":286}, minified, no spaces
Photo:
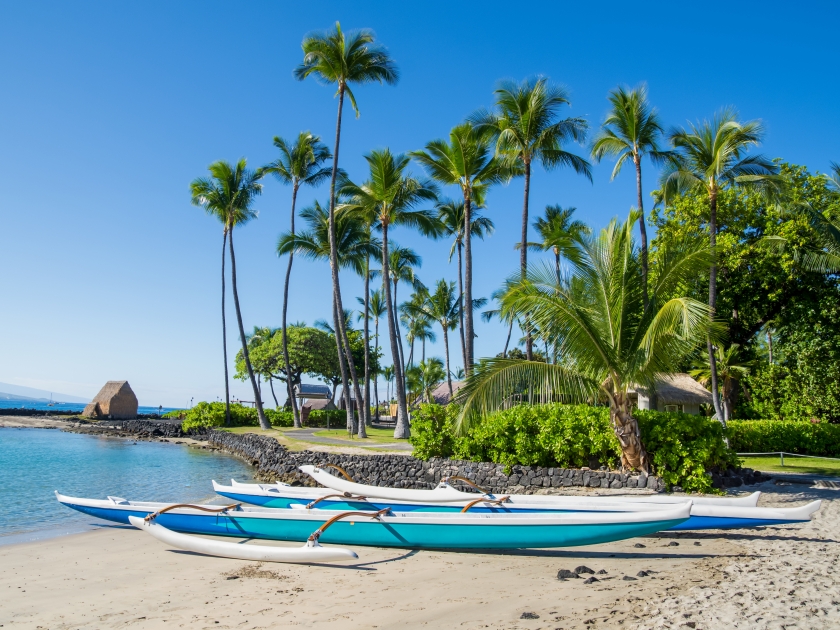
{"x":35,"y":462}
{"x":74,"y":407}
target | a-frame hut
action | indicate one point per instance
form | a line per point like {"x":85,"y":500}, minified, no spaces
{"x":114,"y":400}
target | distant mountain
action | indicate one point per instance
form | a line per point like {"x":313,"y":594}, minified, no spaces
{"x":30,"y":394}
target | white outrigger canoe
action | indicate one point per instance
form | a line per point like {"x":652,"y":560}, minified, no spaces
{"x":342,"y":494}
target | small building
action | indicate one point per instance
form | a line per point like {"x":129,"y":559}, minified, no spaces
{"x":114,"y":400}
{"x":677,"y":392}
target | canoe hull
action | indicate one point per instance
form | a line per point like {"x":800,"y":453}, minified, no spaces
{"x":481,"y":533}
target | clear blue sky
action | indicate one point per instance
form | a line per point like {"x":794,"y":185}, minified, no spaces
{"x":108,"y":111}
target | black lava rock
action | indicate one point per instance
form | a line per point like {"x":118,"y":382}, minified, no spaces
{"x":639,"y":546}
{"x":590,"y":580}
{"x":529,"y":615}
{"x":562,"y":574}
{"x":642,"y":574}
{"x":673,"y":543}
{"x":583,"y":569}
{"x":602,"y":572}
{"x":628,"y":578}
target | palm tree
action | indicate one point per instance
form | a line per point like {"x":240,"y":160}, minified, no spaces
{"x":229,"y":192}
{"x":375,"y":307}
{"x":344,"y":59}
{"x":467,"y":161}
{"x":458,"y":374}
{"x":418,"y":327}
{"x":354,"y":247}
{"x":732,"y":366}
{"x":401,"y":264}
{"x":299,"y":164}
{"x":423,"y":378}
{"x":388,"y":375}
{"x":631,"y":130}
{"x":527,"y":130}
{"x":609,"y":341}
{"x":710,"y":157}
{"x":444,"y":307}
{"x":559,"y":233}
{"x":451,"y":215}
{"x":388,"y":198}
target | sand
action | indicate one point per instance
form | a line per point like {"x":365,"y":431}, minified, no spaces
{"x":116,"y":577}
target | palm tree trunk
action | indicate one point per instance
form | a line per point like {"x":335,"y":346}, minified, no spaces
{"x":446,"y":354}
{"x":224,"y":336}
{"x":507,"y":341}
{"x":402,"y":430}
{"x":712,"y":304}
{"x":365,"y":419}
{"x":288,"y":365}
{"x":523,"y":257}
{"x":345,"y":390}
{"x":642,"y":229}
{"x":557,"y":263}
{"x":399,"y":333}
{"x":257,"y":399}
{"x":376,"y":378}
{"x":466,"y":304}
{"x":340,"y":329}
{"x":461,"y":314}
{"x":423,"y":352}
{"x":633,"y":453}
{"x":273,"y":395}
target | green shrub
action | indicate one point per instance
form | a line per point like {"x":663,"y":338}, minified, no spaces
{"x":768,"y":436}
{"x":212,"y":414}
{"x":319,"y":418}
{"x":683,"y":448}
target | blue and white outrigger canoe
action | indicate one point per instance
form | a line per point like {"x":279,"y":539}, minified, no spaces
{"x":385,"y":528}
{"x":341,"y":494}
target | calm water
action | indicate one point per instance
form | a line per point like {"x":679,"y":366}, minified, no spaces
{"x":34,"y":462}
{"x":74,"y":407}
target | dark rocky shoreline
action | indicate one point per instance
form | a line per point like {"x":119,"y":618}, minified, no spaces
{"x":275,"y":463}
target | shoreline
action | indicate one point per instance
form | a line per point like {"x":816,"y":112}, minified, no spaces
{"x":761,"y":578}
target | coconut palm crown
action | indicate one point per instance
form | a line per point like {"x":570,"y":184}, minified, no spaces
{"x":608,"y":340}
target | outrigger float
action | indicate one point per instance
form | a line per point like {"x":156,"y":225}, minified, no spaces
{"x":345,"y":494}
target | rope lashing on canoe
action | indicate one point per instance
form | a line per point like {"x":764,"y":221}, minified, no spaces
{"x":499,"y":501}
{"x":466,"y":481}
{"x":317,"y":533}
{"x":341,"y":470}
{"x":342,"y":495}
{"x":154,"y":515}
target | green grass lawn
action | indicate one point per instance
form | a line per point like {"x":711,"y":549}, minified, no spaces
{"x":383,"y":436}
{"x":808,"y":465}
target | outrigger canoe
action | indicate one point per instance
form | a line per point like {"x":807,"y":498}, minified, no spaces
{"x":385,"y":528}
{"x":341,"y":494}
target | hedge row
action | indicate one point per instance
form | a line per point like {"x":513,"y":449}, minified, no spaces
{"x":769,"y":436}
{"x":683,"y":448}
{"x":206,"y":414}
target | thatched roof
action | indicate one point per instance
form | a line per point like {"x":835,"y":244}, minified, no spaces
{"x":114,"y":400}
{"x":440,"y":394}
{"x":679,"y":389}
{"x":320,"y":403}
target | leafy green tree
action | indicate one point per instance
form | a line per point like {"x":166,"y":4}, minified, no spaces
{"x":344,"y":59}
{"x":300,"y":164}
{"x":558,"y":233}
{"x":452,"y":217}
{"x":608,"y":339}
{"x":527,"y":129}
{"x":229,"y":192}
{"x":710,"y":157}
{"x":631,"y":130}
{"x":389,"y":197}
{"x":466,"y":161}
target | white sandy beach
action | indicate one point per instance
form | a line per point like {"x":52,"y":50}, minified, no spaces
{"x":115,"y":577}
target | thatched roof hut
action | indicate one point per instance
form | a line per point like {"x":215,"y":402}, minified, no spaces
{"x":114,"y":400}
{"x":677,"y":392}
{"x":440,"y":394}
